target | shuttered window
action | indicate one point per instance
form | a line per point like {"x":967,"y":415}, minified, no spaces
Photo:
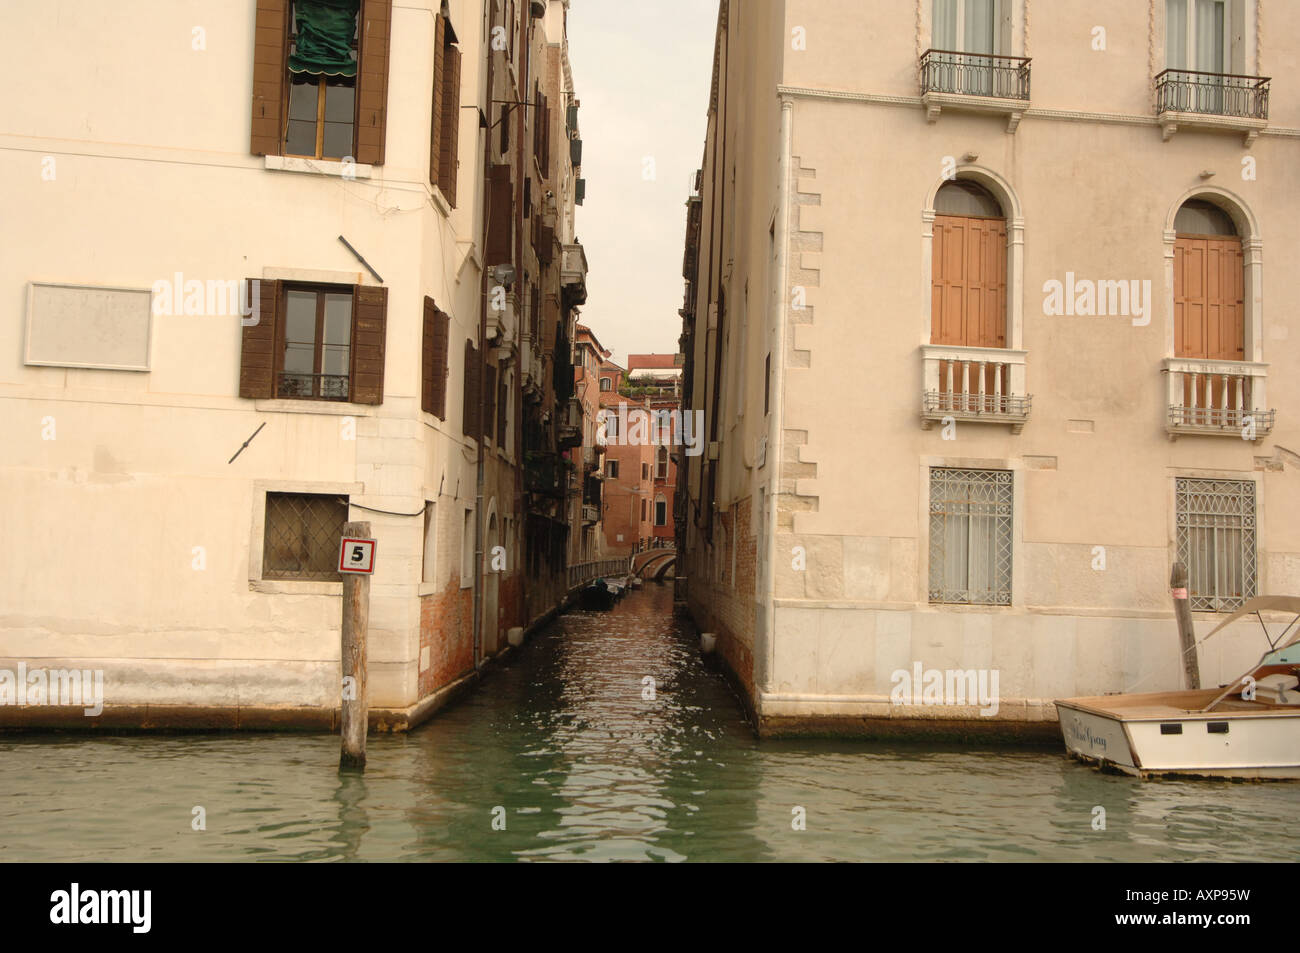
{"x":501,"y":216}
{"x":969,"y":282}
{"x":1209,"y":304}
{"x":472,"y":412}
{"x":433,"y":360}
{"x":503,"y":406}
{"x":489,"y":408}
{"x":445,"y":125}
{"x":315,"y":342}
{"x":303,"y":105}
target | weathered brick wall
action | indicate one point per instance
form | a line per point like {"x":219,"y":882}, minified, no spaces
{"x":447,"y":632}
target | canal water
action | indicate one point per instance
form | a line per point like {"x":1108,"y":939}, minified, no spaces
{"x":562,"y":748}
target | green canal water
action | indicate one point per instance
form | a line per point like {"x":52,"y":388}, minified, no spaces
{"x":560,"y":746}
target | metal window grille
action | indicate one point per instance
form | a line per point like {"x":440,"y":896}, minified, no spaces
{"x":303,"y":531}
{"x":970,"y":536}
{"x":1216,"y":542}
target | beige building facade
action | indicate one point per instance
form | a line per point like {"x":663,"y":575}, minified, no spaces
{"x":222,"y":344}
{"x":986,"y":308}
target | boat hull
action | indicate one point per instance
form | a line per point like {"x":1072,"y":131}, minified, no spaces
{"x":1184,"y":744}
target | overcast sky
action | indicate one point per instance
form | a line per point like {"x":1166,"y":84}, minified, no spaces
{"x":642,"y":72}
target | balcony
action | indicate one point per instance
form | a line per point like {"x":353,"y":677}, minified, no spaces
{"x":590,"y":513}
{"x":977,"y":384}
{"x":1222,"y":101}
{"x":975,"y":82}
{"x":502,"y":322}
{"x":573,"y":273}
{"x":1217,"y":398}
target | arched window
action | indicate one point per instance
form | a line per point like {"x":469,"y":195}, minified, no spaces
{"x":606,"y":383}
{"x":1209,"y":284}
{"x":661,"y":464}
{"x":969,"y":268}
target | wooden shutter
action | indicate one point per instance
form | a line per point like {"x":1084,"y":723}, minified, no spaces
{"x":451,"y":133}
{"x":1209,"y":299}
{"x":502,"y":398}
{"x":372,"y":80}
{"x":435,"y":122}
{"x":969,"y":282}
{"x":257,"y":358}
{"x":369,"y":322}
{"x":501,"y":216}
{"x":489,"y":400}
{"x":472,"y":415}
{"x":433,"y":362}
{"x":270,"y":37}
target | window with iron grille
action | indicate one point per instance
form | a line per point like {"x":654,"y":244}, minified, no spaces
{"x":1216,"y":541}
{"x":302,"y":536}
{"x":970,"y":536}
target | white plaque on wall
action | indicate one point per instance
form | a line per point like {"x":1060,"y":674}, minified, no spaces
{"x":88,"y":326}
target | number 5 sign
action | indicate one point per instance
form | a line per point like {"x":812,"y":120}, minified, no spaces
{"x":357,"y":555}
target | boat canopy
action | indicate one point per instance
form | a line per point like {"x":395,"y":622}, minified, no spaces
{"x":1261,"y":604}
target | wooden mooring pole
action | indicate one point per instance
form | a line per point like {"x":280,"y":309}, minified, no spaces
{"x":356,"y":620}
{"x":1186,"y":632}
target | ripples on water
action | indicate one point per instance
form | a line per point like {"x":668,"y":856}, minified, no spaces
{"x":585,"y":768}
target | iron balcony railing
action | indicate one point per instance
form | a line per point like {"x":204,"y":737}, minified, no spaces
{"x":975,"y":74}
{"x":1212,"y":94}
{"x":323,"y":386}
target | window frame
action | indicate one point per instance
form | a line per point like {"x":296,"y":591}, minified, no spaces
{"x":1004,"y":484}
{"x":281,"y":575}
{"x":322,"y":84}
{"x":1186,"y":485}
{"x":1191,"y":47}
{"x":318,"y":342}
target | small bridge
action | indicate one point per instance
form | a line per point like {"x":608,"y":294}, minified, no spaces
{"x":654,"y":563}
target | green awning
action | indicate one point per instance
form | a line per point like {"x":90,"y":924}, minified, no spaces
{"x":324,"y":42}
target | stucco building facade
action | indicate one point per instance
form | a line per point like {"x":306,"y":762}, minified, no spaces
{"x":230,"y":331}
{"x":990,"y":327}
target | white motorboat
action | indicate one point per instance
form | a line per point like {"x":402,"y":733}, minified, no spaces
{"x":1249,"y":728}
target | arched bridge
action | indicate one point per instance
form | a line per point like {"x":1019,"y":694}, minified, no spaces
{"x":654,"y":563}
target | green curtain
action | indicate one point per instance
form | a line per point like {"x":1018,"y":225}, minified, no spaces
{"x":324,"y":43}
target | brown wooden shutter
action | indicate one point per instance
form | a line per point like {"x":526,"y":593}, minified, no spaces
{"x":450,"y":155}
{"x":257,"y":357}
{"x":426,"y":356}
{"x":501,"y":216}
{"x":1209,"y":299}
{"x":969,"y":282}
{"x":268,"y":76}
{"x":489,"y":400}
{"x":372,"y":80}
{"x":435,"y":123}
{"x":433,"y":361}
{"x":502,"y":398}
{"x":369,"y":323}
{"x":472,"y":415}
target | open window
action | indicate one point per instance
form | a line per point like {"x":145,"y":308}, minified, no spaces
{"x":320,"y":79}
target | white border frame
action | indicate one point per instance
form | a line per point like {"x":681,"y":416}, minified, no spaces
{"x":27,"y":339}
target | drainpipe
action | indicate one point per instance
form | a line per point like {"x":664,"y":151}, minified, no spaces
{"x":775,"y":428}
{"x":482,"y":361}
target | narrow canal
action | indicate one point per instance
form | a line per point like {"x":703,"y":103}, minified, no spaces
{"x":560,"y":746}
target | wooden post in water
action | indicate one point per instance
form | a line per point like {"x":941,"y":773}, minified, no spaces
{"x":1186,"y":632}
{"x":356,"y":620}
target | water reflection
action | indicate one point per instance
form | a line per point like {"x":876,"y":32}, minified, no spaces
{"x":561,"y":739}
